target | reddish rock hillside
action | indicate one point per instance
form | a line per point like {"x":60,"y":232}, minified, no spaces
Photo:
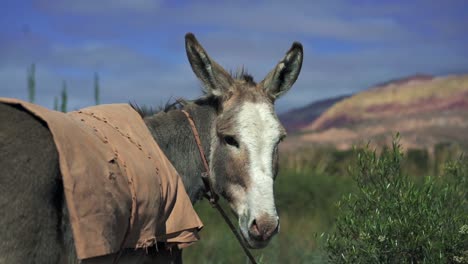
{"x":296,"y":119}
{"x":425,"y":110}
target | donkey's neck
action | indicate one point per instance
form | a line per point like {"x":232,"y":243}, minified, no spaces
{"x":174,"y":135}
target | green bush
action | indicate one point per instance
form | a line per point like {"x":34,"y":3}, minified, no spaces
{"x":417,"y":162}
{"x":392,"y":219}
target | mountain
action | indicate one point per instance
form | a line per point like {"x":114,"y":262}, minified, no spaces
{"x":404,"y":80}
{"x":426,"y":110}
{"x":298,"y":118}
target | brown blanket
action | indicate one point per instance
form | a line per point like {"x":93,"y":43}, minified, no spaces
{"x":121,"y":190}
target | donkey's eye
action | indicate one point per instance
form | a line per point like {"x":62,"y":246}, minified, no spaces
{"x":230,"y":140}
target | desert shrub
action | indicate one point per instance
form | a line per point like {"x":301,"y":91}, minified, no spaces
{"x":417,"y":162}
{"x":443,"y":152}
{"x":392,"y":219}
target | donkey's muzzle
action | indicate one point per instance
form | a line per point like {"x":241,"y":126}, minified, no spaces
{"x":264,"y":227}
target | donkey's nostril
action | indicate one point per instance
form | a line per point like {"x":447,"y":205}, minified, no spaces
{"x":254,"y":231}
{"x":263,"y":228}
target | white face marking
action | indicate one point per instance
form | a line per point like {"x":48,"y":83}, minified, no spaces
{"x":259,"y":130}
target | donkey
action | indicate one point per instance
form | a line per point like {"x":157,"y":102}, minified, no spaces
{"x":239,"y":131}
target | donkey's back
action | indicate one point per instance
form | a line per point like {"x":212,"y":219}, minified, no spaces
{"x":31,"y":196}
{"x":34,"y":223}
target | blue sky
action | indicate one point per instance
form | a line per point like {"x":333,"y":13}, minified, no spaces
{"x":137,"y":46}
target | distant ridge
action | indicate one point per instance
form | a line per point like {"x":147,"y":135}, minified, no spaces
{"x":298,"y":118}
{"x":404,"y":80}
{"x":425,"y":109}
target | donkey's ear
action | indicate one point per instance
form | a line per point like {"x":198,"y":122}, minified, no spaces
{"x":283,"y":76}
{"x":216,"y":81}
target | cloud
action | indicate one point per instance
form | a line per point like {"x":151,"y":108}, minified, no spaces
{"x":360,"y":21}
{"x":317,"y":18}
{"x":99,"y":8}
{"x":21,"y":49}
{"x":97,"y":56}
{"x":272,"y":19}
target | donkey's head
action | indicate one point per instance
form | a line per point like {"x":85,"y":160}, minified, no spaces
{"x":245,"y":137}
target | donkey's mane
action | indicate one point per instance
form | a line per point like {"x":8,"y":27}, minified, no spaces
{"x":240,"y":74}
{"x":171,"y":105}
{"x":145,"y":110}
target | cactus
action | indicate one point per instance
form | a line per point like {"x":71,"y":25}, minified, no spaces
{"x":56,"y":103}
{"x":32,"y":83}
{"x":96,"y":89}
{"x":63,"y":106}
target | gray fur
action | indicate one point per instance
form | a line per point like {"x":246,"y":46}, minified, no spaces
{"x":30,"y":197}
{"x":174,"y":135}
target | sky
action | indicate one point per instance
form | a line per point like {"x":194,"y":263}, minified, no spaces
{"x":137,"y":46}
